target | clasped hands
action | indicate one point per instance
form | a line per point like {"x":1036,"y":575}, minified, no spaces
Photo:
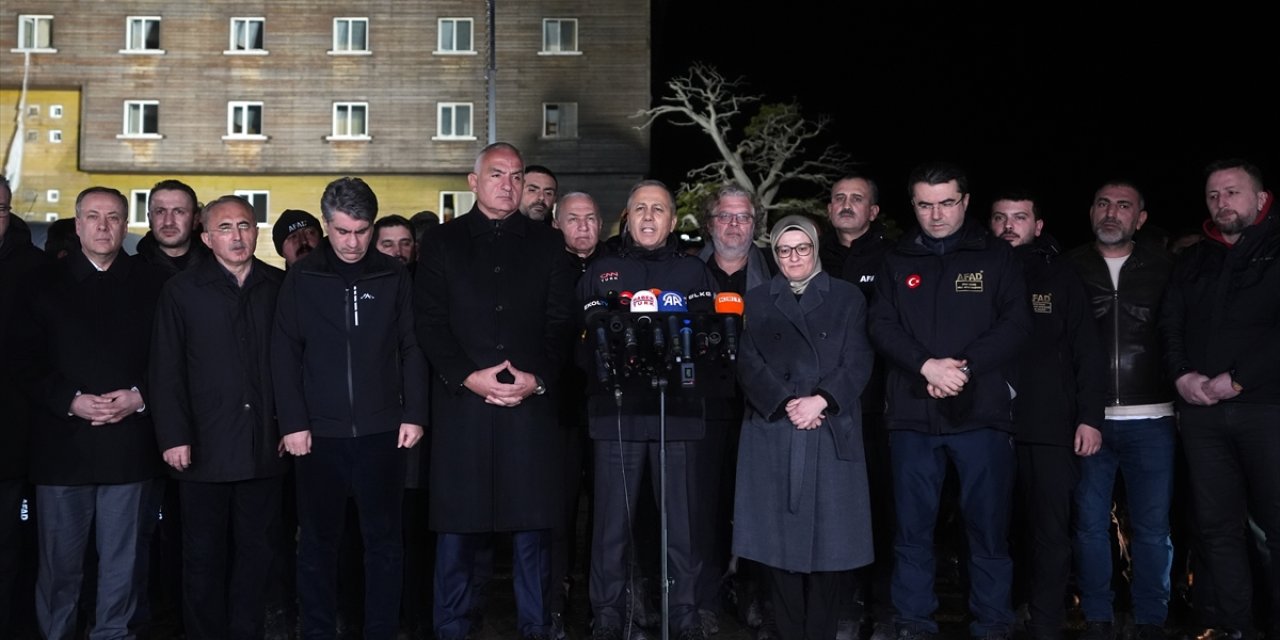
{"x":945,"y":377}
{"x":485,"y":383}
{"x":1201,"y":390}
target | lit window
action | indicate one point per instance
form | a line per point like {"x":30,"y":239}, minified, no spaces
{"x":138,"y":200}
{"x":455,"y":203}
{"x":244,"y":120}
{"x":52,"y":195}
{"x":260,"y":201}
{"x":142,"y":35}
{"x":350,"y":120}
{"x":560,"y":120}
{"x":247,"y":35}
{"x":141,"y":118}
{"x":350,"y":35}
{"x":35,"y":33}
{"x":55,"y":111}
{"x":454,"y":121}
{"x":560,"y":35}
{"x":455,"y":36}
{"x":55,"y":136}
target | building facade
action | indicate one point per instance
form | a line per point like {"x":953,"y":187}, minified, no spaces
{"x":272,"y":100}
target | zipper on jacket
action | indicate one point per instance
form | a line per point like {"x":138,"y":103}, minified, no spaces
{"x":1115,"y":337}
{"x":351,"y":394}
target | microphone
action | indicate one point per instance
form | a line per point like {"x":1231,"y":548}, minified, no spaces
{"x":644,"y":302}
{"x":671,"y":302}
{"x":595,"y":312}
{"x":730,"y":304}
{"x":686,"y":339}
{"x":611,"y":297}
{"x":624,"y":301}
{"x":701,"y":301}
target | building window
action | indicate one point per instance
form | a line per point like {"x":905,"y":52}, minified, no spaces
{"x":50,"y":216}
{"x":350,"y":121}
{"x":455,"y":36}
{"x":350,"y":35}
{"x":260,"y":201}
{"x":55,"y":111}
{"x":244,"y":120}
{"x":35,"y":33}
{"x":55,"y":136}
{"x":142,"y":35}
{"x":141,"y":119}
{"x":52,"y":195}
{"x":453,"y":121}
{"x":560,"y":35}
{"x":247,"y":35}
{"x":455,"y":203}
{"x":33,"y":111}
{"x":560,"y":120}
{"x":33,"y":135}
{"x":138,"y":201}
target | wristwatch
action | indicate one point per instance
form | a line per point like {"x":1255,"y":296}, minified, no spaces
{"x":541,"y":388}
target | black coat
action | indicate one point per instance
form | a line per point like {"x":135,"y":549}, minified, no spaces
{"x":1222,"y":311}
{"x":90,"y":332}
{"x":487,"y":292}
{"x":968,"y":302}
{"x":344,"y":358}
{"x":860,"y":263}
{"x":1062,"y":372}
{"x":211,"y":372}
{"x":18,"y":259}
{"x":150,"y":251}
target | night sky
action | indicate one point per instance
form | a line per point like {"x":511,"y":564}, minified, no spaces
{"x":1056,"y":97}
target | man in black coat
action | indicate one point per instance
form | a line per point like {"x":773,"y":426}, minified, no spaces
{"x":18,"y":258}
{"x":493,"y":302}
{"x":1058,"y":411}
{"x":215,"y":422}
{"x":171,"y":244}
{"x":348,"y":378}
{"x":1221,"y":328}
{"x":82,"y":345}
{"x":949,"y":315}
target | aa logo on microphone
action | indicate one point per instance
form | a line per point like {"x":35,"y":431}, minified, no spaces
{"x":671,"y":297}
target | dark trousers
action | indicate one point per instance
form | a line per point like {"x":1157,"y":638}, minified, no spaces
{"x":715,"y":463}
{"x":531,"y":576}
{"x":67,"y":515}
{"x":871,"y":583}
{"x":372,"y":469}
{"x":227,"y":553}
{"x":806,"y":605}
{"x":1233,"y":450}
{"x":564,"y":535}
{"x":619,"y":467}
{"x":10,"y":551}
{"x":1047,"y":477}
{"x":984,"y":462}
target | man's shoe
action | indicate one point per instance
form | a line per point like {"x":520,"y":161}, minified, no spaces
{"x":606,"y":633}
{"x":710,"y":622}
{"x":1149,"y":632}
{"x":882,"y":631}
{"x":1098,"y":630}
{"x":846,"y":629}
{"x":1000,"y":634}
{"x":692,"y":633}
{"x":908,"y":633}
{"x":1216,"y":634}
{"x":557,"y":627}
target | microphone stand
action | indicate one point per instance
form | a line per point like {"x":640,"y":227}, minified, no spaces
{"x":662,"y":501}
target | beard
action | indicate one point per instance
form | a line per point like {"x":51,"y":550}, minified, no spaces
{"x":1111,"y":235}
{"x":1232,"y":226}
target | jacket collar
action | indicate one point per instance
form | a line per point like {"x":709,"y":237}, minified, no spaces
{"x":757,"y":267}
{"x":323,"y":259}
{"x":81,"y":267}
{"x":971,"y":237}
{"x":793,"y":309}
{"x":478,"y":224}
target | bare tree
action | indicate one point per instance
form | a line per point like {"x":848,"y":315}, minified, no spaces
{"x":775,"y":147}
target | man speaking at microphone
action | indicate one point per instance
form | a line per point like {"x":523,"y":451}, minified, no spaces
{"x":626,"y":436}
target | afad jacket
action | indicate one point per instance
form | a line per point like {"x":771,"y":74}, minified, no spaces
{"x":964,"y":298}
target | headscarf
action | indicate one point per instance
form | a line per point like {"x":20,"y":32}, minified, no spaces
{"x":805,"y":226}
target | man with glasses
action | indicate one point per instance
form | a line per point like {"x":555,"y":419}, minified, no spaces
{"x":949,"y":315}
{"x":738,"y":265}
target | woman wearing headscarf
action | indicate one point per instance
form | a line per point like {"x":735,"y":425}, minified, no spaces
{"x":802,"y":507}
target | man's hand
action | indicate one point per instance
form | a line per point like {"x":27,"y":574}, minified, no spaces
{"x":410,"y":434}
{"x":298,"y":443}
{"x":1219,"y":387}
{"x":178,"y":457}
{"x":1088,"y":440}
{"x":108,"y":408}
{"x":806,"y":412}
{"x":945,"y":376}
{"x":485,"y":383}
{"x":1191,"y":386}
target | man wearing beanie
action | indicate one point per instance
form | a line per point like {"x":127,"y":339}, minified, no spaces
{"x":949,"y":316}
{"x":295,"y":234}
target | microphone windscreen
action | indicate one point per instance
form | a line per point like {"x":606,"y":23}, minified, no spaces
{"x":644,"y":302}
{"x":701,"y":302}
{"x":729,"y":302}
{"x":671,"y":301}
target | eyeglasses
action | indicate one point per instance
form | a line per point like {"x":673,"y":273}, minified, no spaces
{"x":945,"y":205}
{"x":733,"y":218}
{"x":5,"y":210}
{"x":226,"y":229}
{"x":801,"y":250}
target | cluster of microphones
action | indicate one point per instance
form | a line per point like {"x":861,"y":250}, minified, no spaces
{"x":652,"y":334}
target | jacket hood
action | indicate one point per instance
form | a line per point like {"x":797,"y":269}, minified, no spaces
{"x":1211,"y":230}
